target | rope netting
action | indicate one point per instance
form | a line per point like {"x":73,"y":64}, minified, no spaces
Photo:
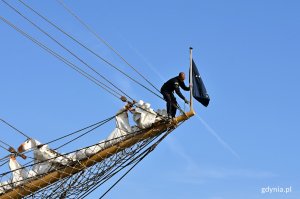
{"x":77,"y":178}
{"x":78,"y":185}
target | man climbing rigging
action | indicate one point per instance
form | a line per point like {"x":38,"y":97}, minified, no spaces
{"x":168,"y":89}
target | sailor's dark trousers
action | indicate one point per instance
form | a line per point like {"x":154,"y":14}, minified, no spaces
{"x":171,"y":103}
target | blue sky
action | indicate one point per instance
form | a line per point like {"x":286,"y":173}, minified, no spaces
{"x":246,"y":51}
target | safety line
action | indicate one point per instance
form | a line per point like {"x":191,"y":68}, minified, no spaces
{"x":108,"y":45}
{"x":64,"y":47}
{"x":70,"y":64}
{"x":84,"y":46}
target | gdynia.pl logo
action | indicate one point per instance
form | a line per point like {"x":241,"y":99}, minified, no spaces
{"x":270,"y":190}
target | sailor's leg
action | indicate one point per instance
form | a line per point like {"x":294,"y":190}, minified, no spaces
{"x":174,"y":109}
{"x":168,"y":99}
{"x":169,"y":108}
{"x":173,"y":105}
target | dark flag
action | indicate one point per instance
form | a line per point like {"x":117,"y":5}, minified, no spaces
{"x":199,"y":90}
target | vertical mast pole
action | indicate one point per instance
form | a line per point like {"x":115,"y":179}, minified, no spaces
{"x":191,"y":79}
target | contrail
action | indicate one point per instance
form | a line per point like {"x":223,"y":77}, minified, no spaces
{"x":143,"y":58}
{"x":220,"y":140}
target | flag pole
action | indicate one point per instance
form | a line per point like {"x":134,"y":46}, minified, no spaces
{"x":191,"y":78}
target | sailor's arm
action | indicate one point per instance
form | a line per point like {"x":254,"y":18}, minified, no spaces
{"x":177,"y":90}
{"x":183,"y":86}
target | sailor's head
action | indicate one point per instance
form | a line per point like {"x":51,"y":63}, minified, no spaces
{"x":181,"y":76}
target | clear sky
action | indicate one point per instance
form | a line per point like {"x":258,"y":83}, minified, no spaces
{"x":247,"y":53}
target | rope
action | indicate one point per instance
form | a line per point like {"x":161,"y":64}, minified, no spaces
{"x":95,"y":126}
{"x":70,"y":64}
{"x":112,"y":173}
{"x":4,"y":163}
{"x":4,"y":143}
{"x":146,"y":152}
{"x":57,"y":139}
{"x":75,"y":132}
{"x":141,"y":157}
{"x":14,"y":128}
{"x":84,"y":46}
{"x":4,"y":158}
{"x":102,"y":123}
{"x":107,"y":120}
{"x":29,"y":163}
{"x":76,"y":67}
{"x":88,"y":76}
{"x":128,"y":155}
{"x":38,"y":175}
{"x":64,"y":47}
{"x":11,"y":150}
{"x":116,"y":52}
{"x":98,"y":124}
{"x":110,"y":47}
{"x":4,"y":147}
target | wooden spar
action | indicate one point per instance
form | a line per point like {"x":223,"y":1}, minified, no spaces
{"x":37,"y":184}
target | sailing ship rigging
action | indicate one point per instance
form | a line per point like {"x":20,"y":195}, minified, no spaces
{"x":52,"y":174}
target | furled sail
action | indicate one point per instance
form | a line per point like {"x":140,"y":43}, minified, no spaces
{"x":199,"y":90}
